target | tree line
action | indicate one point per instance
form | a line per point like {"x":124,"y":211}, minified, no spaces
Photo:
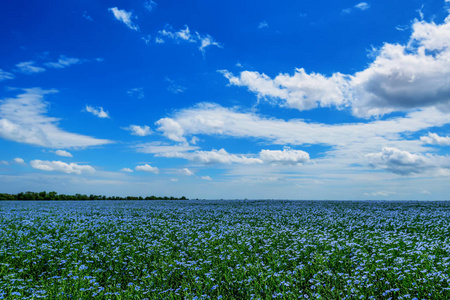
{"x":55,"y":196}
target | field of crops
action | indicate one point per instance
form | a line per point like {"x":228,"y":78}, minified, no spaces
{"x":224,"y":250}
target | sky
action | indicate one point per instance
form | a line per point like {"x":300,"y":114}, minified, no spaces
{"x":226,"y":99}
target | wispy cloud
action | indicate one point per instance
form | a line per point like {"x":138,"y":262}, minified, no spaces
{"x":173,"y":87}
{"x":97,"y":111}
{"x":86,"y":16}
{"x":28,"y":67}
{"x":24,"y":119}
{"x":127,"y":170}
{"x":64,"y":62}
{"x":263,"y":24}
{"x":185,"y":35}
{"x":136,"y":92}
{"x":6,"y":75}
{"x":360,"y":6}
{"x":59,"y":166}
{"x":150,"y":5}
{"x":124,"y":17}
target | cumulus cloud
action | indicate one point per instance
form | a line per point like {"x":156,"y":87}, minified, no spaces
{"x":28,"y":67}
{"x":5,"y":75}
{"x":97,"y":111}
{"x":301,"y":91}
{"x":399,"y":161}
{"x":64,"y":62}
{"x":185,"y":35}
{"x":23,"y":119}
{"x":19,"y":161}
{"x":128,"y":170}
{"x":286,"y":156}
{"x":401,"y":78}
{"x":124,"y":17}
{"x":186,"y":172}
{"x":171,"y":129}
{"x":63,"y":153}
{"x":139,"y":130}
{"x":206,"y":178}
{"x":59,"y":166}
{"x":434,"y":139}
{"x":147,"y":168}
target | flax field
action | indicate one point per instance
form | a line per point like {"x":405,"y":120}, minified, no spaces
{"x":224,"y":250}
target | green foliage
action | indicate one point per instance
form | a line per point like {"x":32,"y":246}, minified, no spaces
{"x":54,"y":196}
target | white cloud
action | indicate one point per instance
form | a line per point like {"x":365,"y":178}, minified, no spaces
{"x":301,"y":91}
{"x":136,"y":92}
{"x":159,"y":40}
{"x":64,"y":62}
{"x":128,"y":170}
{"x":97,"y":111}
{"x":5,"y":75}
{"x":401,"y":78}
{"x":206,"y":178}
{"x":180,"y":35}
{"x":213,"y":157}
{"x":19,"y":161}
{"x":63,"y":153}
{"x":206,"y":41}
{"x":171,"y":129}
{"x":150,"y":5}
{"x":28,"y":67}
{"x":405,"y":163}
{"x":186,"y":172}
{"x":286,"y":156}
{"x":147,"y":168}
{"x":59,"y":166}
{"x":158,"y":148}
{"x":4,"y":162}
{"x":380,"y":194}
{"x":362,"y":6}
{"x":86,"y":16}
{"x":23,"y":119}
{"x":185,"y":35}
{"x":139,"y":130}
{"x":173,"y":87}
{"x":124,"y":17}
{"x":434,"y":139}
{"x":263,"y":24}
{"x":212,"y":119}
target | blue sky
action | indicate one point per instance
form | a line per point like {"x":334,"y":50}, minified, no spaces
{"x":230,"y":99}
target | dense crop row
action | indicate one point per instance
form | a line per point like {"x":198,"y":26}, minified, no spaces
{"x":225,"y":250}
